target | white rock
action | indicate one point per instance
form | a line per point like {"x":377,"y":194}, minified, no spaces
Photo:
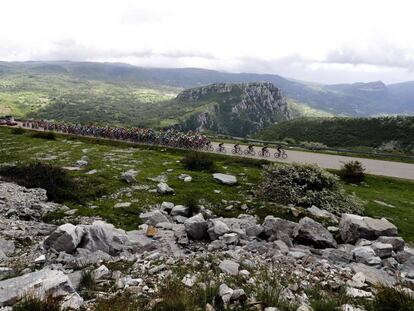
{"x":39,"y":284}
{"x":358,"y":293}
{"x":225,"y":179}
{"x":129,"y":176}
{"x":123,"y":204}
{"x":189,"y":280}
{"x":163,"y":188}
{"x":229,"y":267}
{"x":101,"y":272}
{"x":40,"y":259}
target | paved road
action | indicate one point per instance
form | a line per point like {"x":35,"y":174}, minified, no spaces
{"x":375,"y":167}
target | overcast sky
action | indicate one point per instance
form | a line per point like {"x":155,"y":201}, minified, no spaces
{"x":328,"y":41}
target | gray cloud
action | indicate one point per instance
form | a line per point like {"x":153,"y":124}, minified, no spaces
{"x":385,"y":55}
{"x":69,"y":49}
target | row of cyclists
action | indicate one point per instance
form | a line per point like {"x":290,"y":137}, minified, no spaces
{"x":264,"y":151}
{"x":169,"y":137}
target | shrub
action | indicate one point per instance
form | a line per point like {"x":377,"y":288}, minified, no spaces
{"x":390,"y":298}
{"x":352,"y":172}
{"x":87,"y":280}
{"x":289,"y":140}
{"x":305,"y":185}
{"x":313,"y":145}
{"x":198,"y":161}
{"x":36,"y":304}
{"x":269,"y":293}
{"x":174,"y":296}
{"x":17,"y":131}
{"x":44,"y":135}
{"x":325,"y":304}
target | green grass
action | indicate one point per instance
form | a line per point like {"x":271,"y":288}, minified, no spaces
{"x":396,"y":192}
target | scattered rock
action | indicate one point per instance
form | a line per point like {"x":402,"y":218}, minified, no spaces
{"x":225,"y":179}
{"x":163,"y":188}
{"x":354,"y":227}
{"x":310,"y":232}
{"x":153,"y":217}
{"x":229,"y":267}
{"x":129,"y":176}
{"x":39,"y":284}
{"x":196,"y":227}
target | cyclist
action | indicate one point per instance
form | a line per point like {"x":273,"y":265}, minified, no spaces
{"x":250,"y":148}
{"x":279,"y":149}
{"x":221,"y":147}
{"x":237,"y":148}
{"x":265,"y":150}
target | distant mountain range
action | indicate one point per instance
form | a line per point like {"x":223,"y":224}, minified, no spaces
{"x":358,"y":99}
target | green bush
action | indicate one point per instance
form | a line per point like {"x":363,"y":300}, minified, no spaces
{"x":305,"y":185}
{"x":17,"y":131}
{"x":289,"y":140}
{"x":36,"y":304}
{"x":44,"y":135}
{"x":391,"y":299}
{"x":198,"y":161}
{"x":352,"y":172}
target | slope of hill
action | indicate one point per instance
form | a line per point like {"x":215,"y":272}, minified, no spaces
{"x":19,"y":82}
{"x":382,"y":132}
{"x":234,"y":109}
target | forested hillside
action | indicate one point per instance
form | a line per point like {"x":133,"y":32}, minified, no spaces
{"x":383,"y":132}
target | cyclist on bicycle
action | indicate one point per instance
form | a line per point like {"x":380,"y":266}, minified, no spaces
{"x":279,"y":149}
{"x":237,"y":147}
{"x":221,"y":147}
{"x":250,"y":148}
{"x":265,"y":149}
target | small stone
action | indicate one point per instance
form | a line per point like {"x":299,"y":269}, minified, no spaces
{"x":122,"y":205}
{"x":40,"y":259}
{"x":229,"y":267}
{"x":358,"y":293}
{"x":151,"y":231}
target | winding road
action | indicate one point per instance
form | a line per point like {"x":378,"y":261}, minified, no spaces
{"x":374,"y":167}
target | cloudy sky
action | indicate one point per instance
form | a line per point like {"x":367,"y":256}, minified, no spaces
{"x":328,"y":41}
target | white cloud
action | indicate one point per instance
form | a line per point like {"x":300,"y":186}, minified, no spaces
{"x":318,"y":40}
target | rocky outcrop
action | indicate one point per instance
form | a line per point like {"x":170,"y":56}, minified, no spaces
{"x":354,"y":227}
{"x":39,"y":284}
{"x":22,"y":203}
{"x":235,"y":109}
{"x":313,"y":233}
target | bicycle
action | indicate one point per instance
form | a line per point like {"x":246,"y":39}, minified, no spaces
{"x":209,"y":148}
{"x":237,"y":151}
{"x":264,"y":153}
{"x":282,"y":154}
{"x":221,"y":149}
{"x":250,"y":152}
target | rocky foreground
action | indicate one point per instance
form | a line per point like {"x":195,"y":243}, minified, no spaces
{"x":354,"y":252}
